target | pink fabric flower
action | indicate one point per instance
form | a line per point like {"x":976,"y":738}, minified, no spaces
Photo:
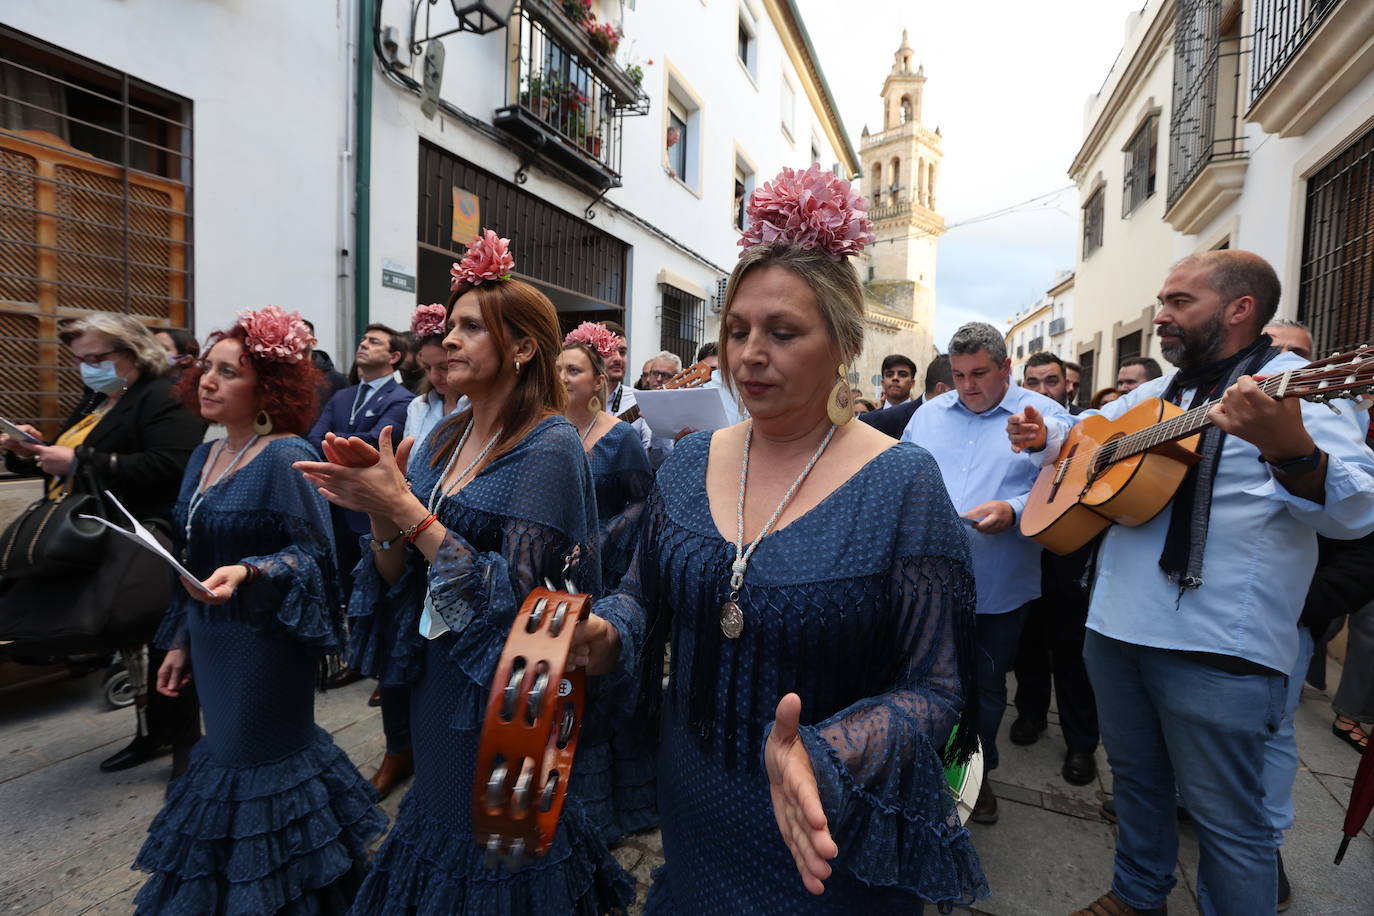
{"x":811,"y":209}
{"x":488,"y":258}
{"x":276,"y":335}
{"x":428,"y":321}
{"x":597,"y":336}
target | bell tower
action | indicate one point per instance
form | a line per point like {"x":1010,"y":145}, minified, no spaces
{"x":901,"y":167}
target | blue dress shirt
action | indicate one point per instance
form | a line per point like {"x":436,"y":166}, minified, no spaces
{"x":1261,"y":544}
{"x":978,"y":465}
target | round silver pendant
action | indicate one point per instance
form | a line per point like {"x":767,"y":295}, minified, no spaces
{"x":731,"y":620}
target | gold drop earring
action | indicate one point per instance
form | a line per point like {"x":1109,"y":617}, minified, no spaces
{"x":840,"y":405}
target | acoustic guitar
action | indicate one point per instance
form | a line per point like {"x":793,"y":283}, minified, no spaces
{"x":693,"y":376}
{"x":1125,"y":471}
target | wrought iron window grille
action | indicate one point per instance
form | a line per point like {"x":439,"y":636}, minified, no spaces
{"x":1205,"y":124}
{"x":1282,"y":27}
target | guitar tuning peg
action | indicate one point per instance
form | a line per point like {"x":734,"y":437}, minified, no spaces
{"x":1332,"y":407}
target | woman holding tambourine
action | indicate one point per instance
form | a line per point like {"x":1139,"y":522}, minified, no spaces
{"x":497,"y":500}
{"x":818,"y":592}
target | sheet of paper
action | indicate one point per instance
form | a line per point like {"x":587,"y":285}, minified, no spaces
{"x":144,"y":538}
{"x":670,"y":412}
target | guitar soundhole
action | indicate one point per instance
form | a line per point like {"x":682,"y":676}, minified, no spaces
{"x":1105,"y":456}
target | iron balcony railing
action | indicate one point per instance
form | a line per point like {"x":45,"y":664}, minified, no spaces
{"x":1036,"y":345}
{"x":1205,"y":124}
{"x":1282,"y":27}
{"x":1057,"y":326}
{"x":566,"y":99}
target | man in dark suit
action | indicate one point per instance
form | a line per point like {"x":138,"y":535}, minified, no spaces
{"x":364,"y":410}
{"x":1051,"y":647}
{"x":893,"y":420}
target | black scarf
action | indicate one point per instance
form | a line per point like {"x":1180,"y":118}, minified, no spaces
{"x":614,"y":406}
{"x":1191,"y":510}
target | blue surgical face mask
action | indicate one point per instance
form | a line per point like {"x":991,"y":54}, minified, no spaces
{"x":102,"y":377}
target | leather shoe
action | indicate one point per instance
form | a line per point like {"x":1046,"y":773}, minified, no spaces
{"x":395,"y":768}
{"x":1079,"y":768}
{"x":1026,"y":731}
{"x":985,"y":809}
{"x":1109,"y":904}
{"x":140,"y":750}
{"x":376,"y":699}
{"x":343,"y":679}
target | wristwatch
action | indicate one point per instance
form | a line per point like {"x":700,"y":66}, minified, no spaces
{"x":1297,"y":467}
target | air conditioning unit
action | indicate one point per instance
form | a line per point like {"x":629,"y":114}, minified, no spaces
{"x":718,"y":298}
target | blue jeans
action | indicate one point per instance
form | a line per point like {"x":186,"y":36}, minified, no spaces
{"x":1169,"y":719}
{"x":1281,"y":750}
{"x":998,"y":637}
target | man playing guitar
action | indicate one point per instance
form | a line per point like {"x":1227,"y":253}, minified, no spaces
{"x":1193,"y":620}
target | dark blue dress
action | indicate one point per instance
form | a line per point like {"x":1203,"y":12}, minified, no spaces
{"x":515,"y":524}
{"x":270,"y":816}
{"x":615,"y":759}
{"x":864,"y":607}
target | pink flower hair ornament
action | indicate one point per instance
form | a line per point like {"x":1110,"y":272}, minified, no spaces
{"x":429,"y":321}
{"x":813,"y":210}
{"x":275,"y":335}
{"x":488,"y":258}
{"x":597,"y":336}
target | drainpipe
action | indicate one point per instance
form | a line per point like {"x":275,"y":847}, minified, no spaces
{"x":362,"y":170}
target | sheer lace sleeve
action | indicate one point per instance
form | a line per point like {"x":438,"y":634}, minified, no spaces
{"x":633,"y":609}
{"x":879,"y":763}
{"x":477,"y":593}
{"x":298,"y":586}
{"x":618,"y":535}
{"x":384,"y":641}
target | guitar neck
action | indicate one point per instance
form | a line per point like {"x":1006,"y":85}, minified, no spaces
{"x":1186,"y":424}
{"x":629,"y":415}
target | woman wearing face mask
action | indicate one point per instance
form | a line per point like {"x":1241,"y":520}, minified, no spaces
{"x":129,"y":435}
{"x":271,"y":816}
{"x":615,"y":766}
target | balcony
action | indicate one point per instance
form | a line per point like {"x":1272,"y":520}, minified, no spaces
{"x":565,"y":100}
{"x":1036,"y":345}
{"x":889,"y":211}
{"x":1057,"y":326}
{"x":1307,"y":56}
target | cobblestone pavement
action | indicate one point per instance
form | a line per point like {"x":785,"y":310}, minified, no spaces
{"x":70,"y":832}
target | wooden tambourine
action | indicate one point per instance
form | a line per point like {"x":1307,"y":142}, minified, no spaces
{"x":529,"y":732}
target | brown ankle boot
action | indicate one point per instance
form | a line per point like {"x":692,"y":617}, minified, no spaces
{"x":395,"y":768}
{"x":1109,"y":904}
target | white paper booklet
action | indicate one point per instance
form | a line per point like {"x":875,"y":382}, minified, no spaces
{"x":669,"y":412}
{"x":143,"y":537}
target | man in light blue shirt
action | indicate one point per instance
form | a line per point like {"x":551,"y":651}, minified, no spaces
{"x":1193,"y":618}
{"x":965,"y":431}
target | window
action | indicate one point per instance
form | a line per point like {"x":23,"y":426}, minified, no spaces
{"x":1138,"y":184}
{"x":815,"y":151}
{"x":1336,"y":291}
{"x":95,"y":172}
{"x":677,"y":150}
{"x":1204,"y":124}
{"x":789,"y":106}
{"x":1085,"y":380}
{"x":1127,"y":347}
{"x":744,"y":186}
{"x":682,"y":322}
{"x":1092,"y":223}
{"x":877,"y":184}
{"x":746,"y":45}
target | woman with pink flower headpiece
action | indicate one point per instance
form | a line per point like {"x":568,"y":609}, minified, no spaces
{"x":463,"y":527}
{"x":816,"y":587}
{"x":270,"y":816}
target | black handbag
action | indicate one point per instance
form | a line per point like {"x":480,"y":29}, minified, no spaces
{"x":50,"y":538}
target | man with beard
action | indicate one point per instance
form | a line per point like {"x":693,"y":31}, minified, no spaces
{"x":1193,"y":615}
{"x":621,"y":397}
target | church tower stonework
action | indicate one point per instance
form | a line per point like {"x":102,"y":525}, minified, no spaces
{"x":901,"y":167}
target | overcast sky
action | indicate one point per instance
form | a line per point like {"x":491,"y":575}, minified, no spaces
{"x":1006,"y":85}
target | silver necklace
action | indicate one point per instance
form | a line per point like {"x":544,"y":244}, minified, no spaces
{"x":198,"y":497}
{"x":437,"y":495}
{"x":731,"y":617}
{"x":588,"y":431}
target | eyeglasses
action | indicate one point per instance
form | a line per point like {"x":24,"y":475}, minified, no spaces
{"x":664,"y":376}
{"x":95,"y":359}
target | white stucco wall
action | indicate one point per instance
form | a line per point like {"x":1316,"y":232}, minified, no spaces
{"x":268,"y":84}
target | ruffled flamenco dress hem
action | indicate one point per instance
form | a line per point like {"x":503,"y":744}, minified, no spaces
{"x":427,"y":868}
{"x":290,"y":836}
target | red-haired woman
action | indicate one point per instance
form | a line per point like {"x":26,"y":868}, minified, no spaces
{"x":500,"y":497}
{"x":271,"y":816}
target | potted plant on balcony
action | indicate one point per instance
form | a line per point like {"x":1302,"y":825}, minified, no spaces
{"x":579,"y":11}
{"x":604,"y":37}
{"x":592,"y":143}
{"x":543,"y":89}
